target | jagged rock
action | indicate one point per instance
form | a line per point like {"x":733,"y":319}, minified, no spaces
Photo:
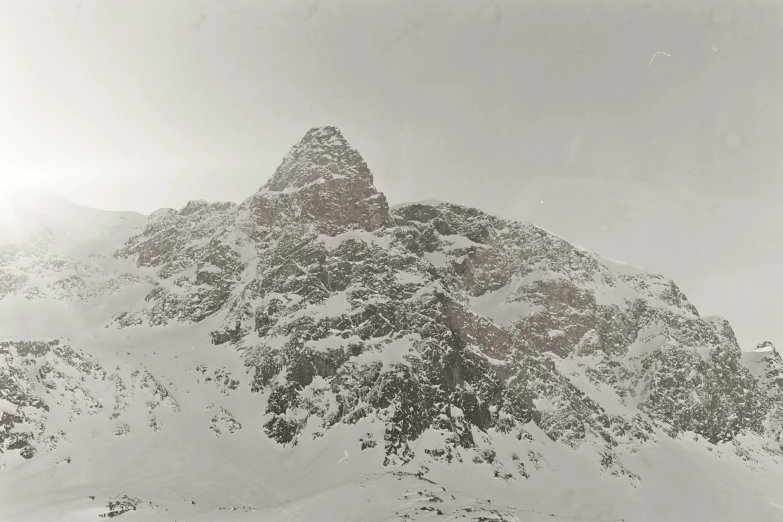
{"x":223,"y":422}
{"x":122,"y":430}
{"x":766,"y":366}
{"x":121,"y":505}
{"x":38,"y":376}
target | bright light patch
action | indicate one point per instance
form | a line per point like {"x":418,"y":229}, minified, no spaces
{"x":10,"y":226}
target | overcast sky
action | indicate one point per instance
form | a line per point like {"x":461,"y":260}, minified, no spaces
{"x":547,"y":111}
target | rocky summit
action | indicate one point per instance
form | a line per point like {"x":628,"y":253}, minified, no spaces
{"x":425,"y":345}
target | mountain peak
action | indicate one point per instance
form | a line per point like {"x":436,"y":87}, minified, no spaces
{"x":323,"y":153}
{"x":765,"y":346}
{"x":323,"y":179}
{"x":327,"y":131}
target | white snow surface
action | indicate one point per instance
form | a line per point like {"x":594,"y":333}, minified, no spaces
{"x":500,"y":306}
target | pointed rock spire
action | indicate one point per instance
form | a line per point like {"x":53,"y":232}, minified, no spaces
{"x":323,"y":180}
{"x":323,"y":154}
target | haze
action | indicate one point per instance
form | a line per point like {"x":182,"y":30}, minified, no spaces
{"x":549,"y":112}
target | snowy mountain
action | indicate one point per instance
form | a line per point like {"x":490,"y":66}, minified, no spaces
{"x":313,"y":354}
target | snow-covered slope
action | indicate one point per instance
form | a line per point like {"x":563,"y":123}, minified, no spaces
{"x":54,"y":250}
{"x":36,"y":215}
{"x":312,"y":354}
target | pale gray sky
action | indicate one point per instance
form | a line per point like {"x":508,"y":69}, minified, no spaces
{"x":499,"y":104}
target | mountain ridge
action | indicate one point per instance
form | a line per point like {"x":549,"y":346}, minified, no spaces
{"x":425,"y":337}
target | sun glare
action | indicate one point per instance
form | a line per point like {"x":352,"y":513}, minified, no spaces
{"x":12,"y":210}
{"x":9,"y":225}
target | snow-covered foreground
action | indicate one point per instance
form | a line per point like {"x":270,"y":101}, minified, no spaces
{"x":186,"y":472}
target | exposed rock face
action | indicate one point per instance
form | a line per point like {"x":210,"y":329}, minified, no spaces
{"x":220,"y":378}
{"x":433,"y":319}
{"x":206,"y":268}
{"x":122,"y":504}
{"x":56,"y":370}
{"x":204,"y":251}
{"x":224,"y":423}
{"x":326,"y":180}
{"x":766,"y":365}
{"x":38,"y":378}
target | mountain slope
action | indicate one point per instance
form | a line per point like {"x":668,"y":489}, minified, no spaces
{"x":312,"y":320}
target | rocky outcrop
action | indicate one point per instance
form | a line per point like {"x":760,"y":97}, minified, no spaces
{"x":42,"y":378}
{"x":766,"y":366}
{"x":38,"y":376}
{"x":224,"y":423}
{"x":122,"y":504}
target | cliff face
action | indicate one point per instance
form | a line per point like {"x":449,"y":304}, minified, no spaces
{"x":451,"y":329}
{"x":766,"y":366}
